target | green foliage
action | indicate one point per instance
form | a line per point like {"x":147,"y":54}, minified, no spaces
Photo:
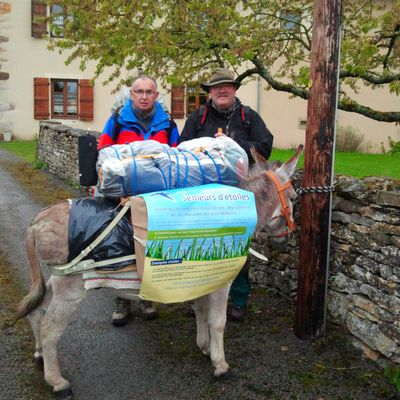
{"x":394,"y":87}
{"x":394,"y":146}
{"x":349,"y":139}
{"x":181,"y":41}
{"x":39,"y":164}
{"x":393,"y":373}
{"x":73,"y":185}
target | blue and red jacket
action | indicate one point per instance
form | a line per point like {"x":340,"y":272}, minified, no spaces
{"x":162,"y":128}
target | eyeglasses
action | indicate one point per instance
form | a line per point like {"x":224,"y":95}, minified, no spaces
{"x":141,"y":92}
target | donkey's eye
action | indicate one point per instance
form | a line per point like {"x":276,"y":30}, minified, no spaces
{"x":276,"y":214}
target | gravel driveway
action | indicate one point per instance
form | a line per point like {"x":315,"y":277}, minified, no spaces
{"x":158,"y":359}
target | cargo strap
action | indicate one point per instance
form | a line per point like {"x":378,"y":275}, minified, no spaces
{"x":85,"y":265}
{"x":90,"y":264}
{"x":258,"y":255}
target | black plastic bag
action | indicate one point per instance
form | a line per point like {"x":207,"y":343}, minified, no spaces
{"x":88,"y":218}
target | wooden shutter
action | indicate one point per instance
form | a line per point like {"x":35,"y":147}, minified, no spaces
{"x":177,"y":102}
{"x":38,"y":9}
{"x":85,"y":100}
{"x":41,"y":98}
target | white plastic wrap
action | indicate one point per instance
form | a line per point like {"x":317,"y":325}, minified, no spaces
{"x":148,"y":166}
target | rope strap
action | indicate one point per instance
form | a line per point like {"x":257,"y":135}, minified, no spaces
{"x":88,"y":265}
{"x":315,"y":189}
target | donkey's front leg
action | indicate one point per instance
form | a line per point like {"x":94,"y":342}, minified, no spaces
{"x":200,"y":307}
{"x":68,"y":292}
{"x":216,"y":321}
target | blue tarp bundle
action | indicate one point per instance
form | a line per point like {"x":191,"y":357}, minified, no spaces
{"x":148,"y":166}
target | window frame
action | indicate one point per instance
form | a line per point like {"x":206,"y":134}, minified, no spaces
{"x":53,"y":115}
{"x":290,"y":19}
{"x":198,"y":92}
{"x":54,"y":17}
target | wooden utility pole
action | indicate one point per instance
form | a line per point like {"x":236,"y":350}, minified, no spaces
{"x":318,"y":170}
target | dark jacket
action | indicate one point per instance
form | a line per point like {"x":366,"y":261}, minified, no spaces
{"x":256,"y":134}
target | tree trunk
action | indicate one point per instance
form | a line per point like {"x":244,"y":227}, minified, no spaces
{"x":318,"y":171}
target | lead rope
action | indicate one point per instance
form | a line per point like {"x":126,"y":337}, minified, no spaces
{"x":315,"y":189}
{"x":299,"y":191}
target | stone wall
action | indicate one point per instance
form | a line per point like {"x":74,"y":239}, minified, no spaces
{"x":364,"y":278}
{"x":58,"y":148}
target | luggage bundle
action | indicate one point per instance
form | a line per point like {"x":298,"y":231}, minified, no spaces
{"x":148,"y":166}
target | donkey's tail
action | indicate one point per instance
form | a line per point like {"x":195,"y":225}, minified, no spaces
{"x":38,"y":288}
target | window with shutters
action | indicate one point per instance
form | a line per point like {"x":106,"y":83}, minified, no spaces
{"x":186,"y":99}
{"x":64,"y":98}
{"x":58,"y":19}
{"x":39,"y":12}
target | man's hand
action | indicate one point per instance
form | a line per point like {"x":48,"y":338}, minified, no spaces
{"x":219,"y":133}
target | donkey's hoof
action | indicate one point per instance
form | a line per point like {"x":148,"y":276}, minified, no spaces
{"x":38,"y":360}
{"x":224,"y":377}
{"x":64,"y":394}
{"x":221,"y":370}
{"x":205,"y":351}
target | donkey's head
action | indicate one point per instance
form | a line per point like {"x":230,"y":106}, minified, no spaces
{"x":274,"y":196}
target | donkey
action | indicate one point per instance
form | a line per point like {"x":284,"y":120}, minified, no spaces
{"x":49,"y":306}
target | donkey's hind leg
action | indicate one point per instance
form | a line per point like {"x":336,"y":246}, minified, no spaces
{"x":217,"y":303}
{"x":35,"y":319}
{"x":68,"y":292}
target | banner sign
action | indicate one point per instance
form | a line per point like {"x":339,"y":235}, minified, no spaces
{"x":197,"y":241}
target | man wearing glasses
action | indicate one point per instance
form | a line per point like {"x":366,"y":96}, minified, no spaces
{"x":142,"y":117}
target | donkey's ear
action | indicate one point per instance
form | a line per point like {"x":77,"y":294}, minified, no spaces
{"x":289,"y":167}
{"x":257,"y":157}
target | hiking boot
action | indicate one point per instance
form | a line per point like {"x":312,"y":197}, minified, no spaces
{"x":149,"y":312}
{"x":122,"y":312}
{"x":236,"y":313}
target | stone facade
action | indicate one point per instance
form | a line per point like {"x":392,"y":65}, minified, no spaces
{"x":364,"y":278}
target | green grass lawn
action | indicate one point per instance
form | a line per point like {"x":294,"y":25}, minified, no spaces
{"x":353,"y":164}
{"x":23,"y":149}
{"x":358,"y":165}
